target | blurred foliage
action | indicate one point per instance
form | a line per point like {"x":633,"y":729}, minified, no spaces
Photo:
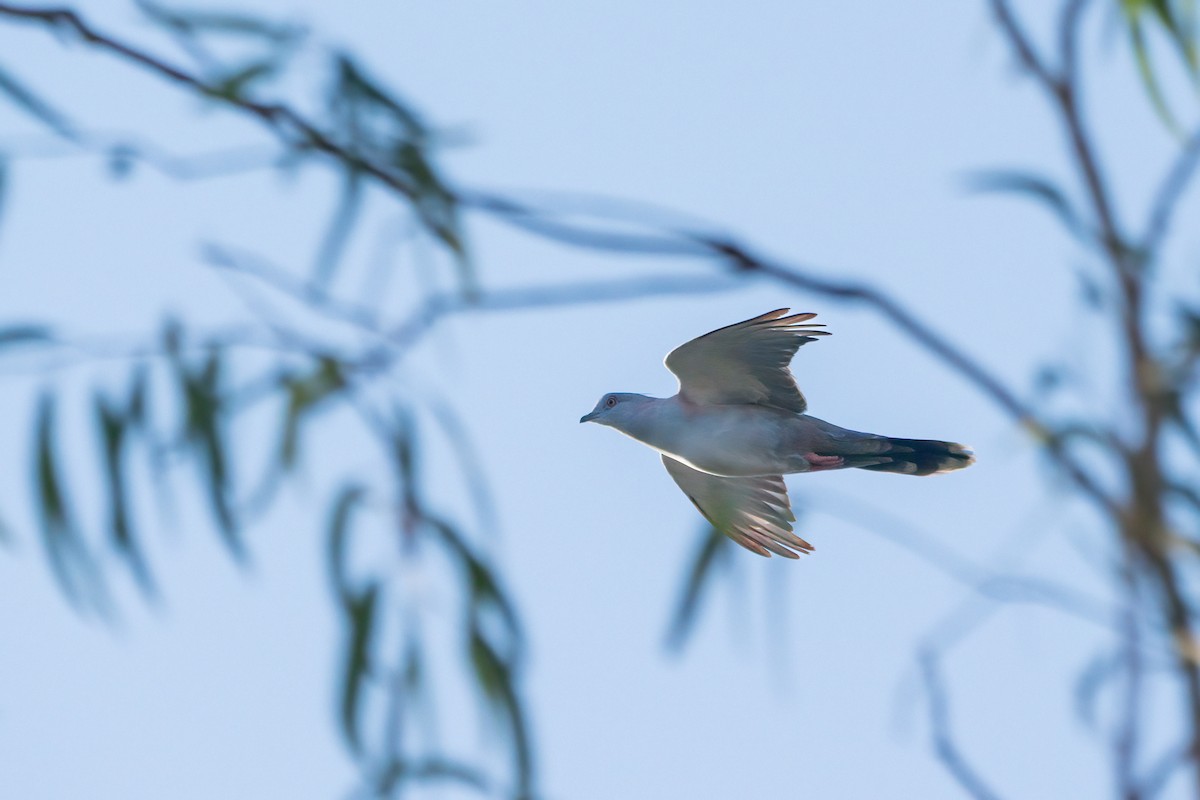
{"x":1175,"y":20}
{"x":185,"y":396}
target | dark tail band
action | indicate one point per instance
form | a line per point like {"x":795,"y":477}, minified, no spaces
{"x":914,"y":457}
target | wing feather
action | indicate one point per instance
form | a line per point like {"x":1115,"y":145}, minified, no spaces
{"x":753,"y":511}
{"x":746,"y":363}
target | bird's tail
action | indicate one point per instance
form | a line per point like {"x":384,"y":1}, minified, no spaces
{"x":909,"y":456}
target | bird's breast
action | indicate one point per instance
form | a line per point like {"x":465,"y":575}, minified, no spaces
{"x":738,"y":440}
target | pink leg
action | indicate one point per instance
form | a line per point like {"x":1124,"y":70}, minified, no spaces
{"x":819,"y":463}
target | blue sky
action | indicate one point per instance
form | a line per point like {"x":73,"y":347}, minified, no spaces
{"x":827,"y":134}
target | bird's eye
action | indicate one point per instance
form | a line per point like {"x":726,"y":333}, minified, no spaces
{"x":611,"y":401}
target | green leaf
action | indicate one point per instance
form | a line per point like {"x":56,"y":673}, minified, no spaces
{"x":202,"y":389}
{"x":136,"y":404}
{"x":172,"y":341}
{"x":360,"y":616}
{"x":70,"y":561}
{"x":341,"y":228}
{"x":1180,"y":30}
{"x":374,"y":122}
{"x":357,"y":99}
{"x":51,"y":503}
{"x":403,"y":447}
{"x":3,"y":185}
{"x":194,"y":22}
{"x":479,"y":580}
{"x":305,"y":394}
{"x":414,"y":667}
{"x":712,"y":554}
{"x":436,"y":206}
{"x":234,"y":85}
{"x":494,"y":677}
{"x":114,"y":427}
{"x":1037,"y":188}
{"x":348,"y":499}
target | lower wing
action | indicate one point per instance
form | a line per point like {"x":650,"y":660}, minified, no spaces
{"x":754,"y":512}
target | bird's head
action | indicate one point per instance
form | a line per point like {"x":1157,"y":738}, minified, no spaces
{"x":616,"y":408}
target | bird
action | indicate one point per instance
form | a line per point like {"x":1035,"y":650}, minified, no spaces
{"x":738,"y":424}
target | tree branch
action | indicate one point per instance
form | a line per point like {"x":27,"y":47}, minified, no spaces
{"x":286,"y":123}
{"x":943,"y":740}
{"x":1139,"y":518}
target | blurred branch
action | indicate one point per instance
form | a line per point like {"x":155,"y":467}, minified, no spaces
{"x":123,"y":150}
{"x":944,"y":744}
{"x":1140,"y":517}
{"x":1126,"y":740}
{"x":348,"y":139}
{"x":1159,"y":775}
{"x":315,"y":295}
{"x":297,"y":132}
{"x":991,"y":584}
{"x":292,"y":128}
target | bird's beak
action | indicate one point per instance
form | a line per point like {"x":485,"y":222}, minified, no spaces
{"x":589,"y":417}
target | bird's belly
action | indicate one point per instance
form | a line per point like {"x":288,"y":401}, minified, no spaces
{"x":733,"y":445}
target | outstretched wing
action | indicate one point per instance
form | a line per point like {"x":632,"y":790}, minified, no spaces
{"x":753,"y":511}
{"x":746,"y":363}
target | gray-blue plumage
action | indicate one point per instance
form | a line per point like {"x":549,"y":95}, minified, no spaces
{"x":737,"y":425}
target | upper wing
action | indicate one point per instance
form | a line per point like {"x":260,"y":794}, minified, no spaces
{"x":746,"y":362}
{"x":753,"y":511}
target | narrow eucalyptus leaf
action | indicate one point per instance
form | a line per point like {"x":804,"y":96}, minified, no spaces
{"x":3,"y":185}
{"x":234,"y":85}
{"x":338,"y":539}
{"x":305,"y":393}
{"x":218,"y":22}
{"x":172,"y":338}
{"x":481,"y":584}
{"x":341,"y":227}
{"x":495,"y":678}
{"x":70,"y":560}
{"x":289,"y":441}
{"x":114,"y":427}
{"x":1100,"y":672}
{"x":204,"y":420}
{"x":491,"y":674}
{"x":137,"y":403}
{"x":1036,"y":187}
{"x":711,"y":554}
{"x":211,"y":434}
{"x":360,"y":618}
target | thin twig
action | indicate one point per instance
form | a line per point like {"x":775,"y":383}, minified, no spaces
{"x":1126,"y":741}
{"x":295,"y":131}
{"x":1139,"y":518}
{"x":943,"y":739}
{"x":1167,"y":198}
{"x":1025,"y":53}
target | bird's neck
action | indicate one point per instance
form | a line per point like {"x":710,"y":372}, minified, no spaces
{"x":652,"y":422}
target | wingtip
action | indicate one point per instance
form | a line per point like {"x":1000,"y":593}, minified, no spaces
{"x":799,"y":324}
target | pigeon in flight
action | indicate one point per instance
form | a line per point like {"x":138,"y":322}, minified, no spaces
{"x":737,"y":425}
